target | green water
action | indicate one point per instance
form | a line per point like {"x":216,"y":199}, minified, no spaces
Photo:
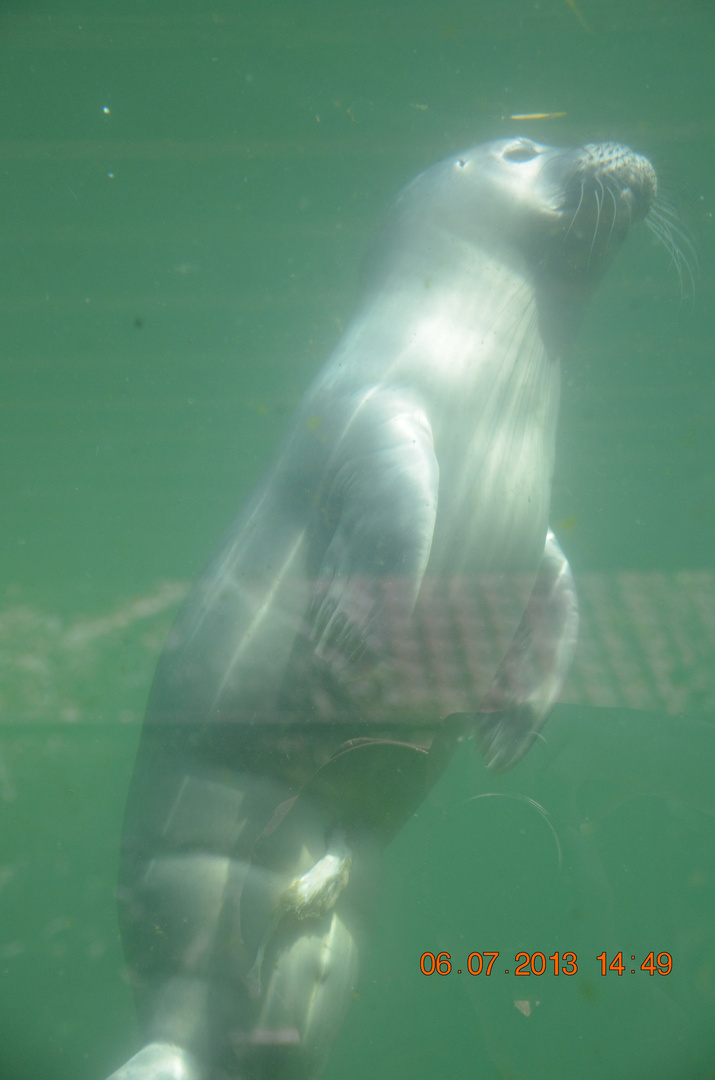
{"x":186,"y":191}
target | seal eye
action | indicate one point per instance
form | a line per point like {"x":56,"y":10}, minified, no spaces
{"x":521,"y":152}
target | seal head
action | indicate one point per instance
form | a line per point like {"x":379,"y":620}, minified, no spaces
{"x":559,"y":215}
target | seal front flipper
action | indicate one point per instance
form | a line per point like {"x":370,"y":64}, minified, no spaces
{"x":383,"y":499}
{"x":532,"y":674}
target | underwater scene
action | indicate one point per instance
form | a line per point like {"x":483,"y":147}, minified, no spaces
{"x":357,"y":590}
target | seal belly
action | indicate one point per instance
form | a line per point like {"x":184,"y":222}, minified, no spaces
{"x":495,"y":495}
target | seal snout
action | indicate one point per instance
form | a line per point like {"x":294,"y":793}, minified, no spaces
{"x":603,"y":190}
{"x":619,"y":174}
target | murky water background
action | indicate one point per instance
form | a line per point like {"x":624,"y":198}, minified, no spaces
{"x":186,"y":191}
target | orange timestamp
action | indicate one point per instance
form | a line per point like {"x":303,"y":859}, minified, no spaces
{"x":537,"y":963}
{"x":481,"y":963}
{"x":662,"y":963}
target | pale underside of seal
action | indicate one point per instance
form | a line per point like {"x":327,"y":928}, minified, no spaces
{"x":391,"y":586}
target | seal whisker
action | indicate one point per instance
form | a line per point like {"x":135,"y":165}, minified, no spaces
{"x":672,"y":235}
{"x":615,"y":213}
{"x":598,"y":221}
{"x":668,"y":216}
{"x":575,"y":214}
{"x":666,"y":207}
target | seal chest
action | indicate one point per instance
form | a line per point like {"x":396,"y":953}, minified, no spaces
{"x":391,"y":584}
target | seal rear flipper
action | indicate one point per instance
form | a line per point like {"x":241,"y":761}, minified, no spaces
{"x":531,"y":676}
{"x":328,"y":839}
{"x":308,"y":989}
{"x":311,"y":922}
{"x":160,"y":1061}
{"x":384,"y":503}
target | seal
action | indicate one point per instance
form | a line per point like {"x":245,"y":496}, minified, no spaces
{"x":391,"y":586}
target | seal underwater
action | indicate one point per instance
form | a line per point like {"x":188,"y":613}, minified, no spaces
{"x":391,"y":587}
